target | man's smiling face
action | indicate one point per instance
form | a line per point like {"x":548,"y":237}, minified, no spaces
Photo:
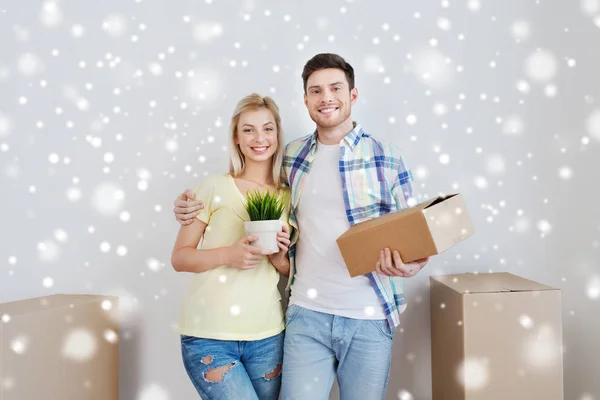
{"x":328,"y":97}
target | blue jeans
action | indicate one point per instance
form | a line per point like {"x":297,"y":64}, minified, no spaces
{"x":320,"y":346}
{"x":251,"y":370}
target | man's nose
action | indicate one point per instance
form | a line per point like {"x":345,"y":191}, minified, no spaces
{"x":327,"y":96}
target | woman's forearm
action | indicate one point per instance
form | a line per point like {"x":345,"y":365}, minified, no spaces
{"x":188,"y":259}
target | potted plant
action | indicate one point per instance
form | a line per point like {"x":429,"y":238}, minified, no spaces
{"x":265,"y":209}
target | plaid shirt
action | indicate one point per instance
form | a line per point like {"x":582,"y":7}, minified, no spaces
{"x":375,"y":181}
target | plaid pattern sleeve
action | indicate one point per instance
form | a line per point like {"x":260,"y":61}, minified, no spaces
{"x":401,"y":189}
{"x":375,"y":181}
{"x":297,"y":158}
{"x":402,"y":181}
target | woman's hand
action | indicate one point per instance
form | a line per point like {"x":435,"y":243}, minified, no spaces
{"x":244,"y":256}
{"x":280,"y":260}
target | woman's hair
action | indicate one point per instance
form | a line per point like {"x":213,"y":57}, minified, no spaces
{"x":254,"y":102}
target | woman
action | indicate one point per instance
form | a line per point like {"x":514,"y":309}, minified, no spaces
{"x":232,"y":322}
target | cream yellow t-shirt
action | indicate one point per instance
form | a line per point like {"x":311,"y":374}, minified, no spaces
{"x":226,"y":303}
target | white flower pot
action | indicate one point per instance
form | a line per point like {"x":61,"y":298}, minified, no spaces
{"x":265,"y":232}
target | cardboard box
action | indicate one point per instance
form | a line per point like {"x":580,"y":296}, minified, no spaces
{"x":427,"y":229}
{"x":59,"y":347}
{"x":495,"y":337}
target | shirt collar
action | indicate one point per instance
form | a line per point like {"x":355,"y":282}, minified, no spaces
{"x":351,"y":139}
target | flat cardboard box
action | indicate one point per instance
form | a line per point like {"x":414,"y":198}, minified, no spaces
{"x":495,"y":337}
{"x":427,"y":229}
{"x":59,"y":347}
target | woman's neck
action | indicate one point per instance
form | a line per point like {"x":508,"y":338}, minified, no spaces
{"x":260,"y":173}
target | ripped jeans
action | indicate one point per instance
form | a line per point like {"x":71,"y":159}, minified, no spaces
{"x":228,"y":369}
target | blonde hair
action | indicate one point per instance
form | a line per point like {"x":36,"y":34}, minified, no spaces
{"x":254,"y":102}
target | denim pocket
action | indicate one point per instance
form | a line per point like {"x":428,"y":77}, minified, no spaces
{"x":291,"y":313}
{"x":383,"y":327}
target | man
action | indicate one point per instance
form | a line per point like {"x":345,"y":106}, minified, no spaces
{"x":339,"y":176}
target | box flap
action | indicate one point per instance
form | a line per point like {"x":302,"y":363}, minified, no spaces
{"x":375,"y":222}
{"x":489,"y":283}
{"x":439,"y":199}
{"x":394,"y":215}
{"x":448,"y":221}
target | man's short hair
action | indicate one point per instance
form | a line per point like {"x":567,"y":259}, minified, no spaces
{"x":325,"y":61}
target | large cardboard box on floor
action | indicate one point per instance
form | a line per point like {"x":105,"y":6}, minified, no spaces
{"x":59,"y":347}
{"x":427,"y":229}
{"x":495,"y":337}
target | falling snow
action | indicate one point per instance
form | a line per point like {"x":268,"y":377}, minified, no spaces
{"x":593,"y":125}
{"x":79,"y":345}
{"x":111,"y":112}
{"x":541,"y":66}
{"x":521,"y":30}
{"x":474,"y":373}
{"x":593,"y":288}
{"x":153,"y":392}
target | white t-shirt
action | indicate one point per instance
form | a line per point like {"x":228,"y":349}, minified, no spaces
{"x":322,"y":281}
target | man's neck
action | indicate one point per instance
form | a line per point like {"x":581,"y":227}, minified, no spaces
{"x":329,"y":136}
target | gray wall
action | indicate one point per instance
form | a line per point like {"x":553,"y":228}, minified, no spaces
{"x":109,"y":109}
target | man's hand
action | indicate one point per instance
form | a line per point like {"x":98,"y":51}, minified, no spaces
{"x":391,"y":264}
{"x":186,"y":207}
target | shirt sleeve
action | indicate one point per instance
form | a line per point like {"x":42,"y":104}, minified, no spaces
{"x":402,"y":182}
{"x":206,"y":193}
{"x":285,"y":217}
{"x":285,"y":165}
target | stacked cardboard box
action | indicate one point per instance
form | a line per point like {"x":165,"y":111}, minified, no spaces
{"x":495,"y":337}
{"x":59,"y":347}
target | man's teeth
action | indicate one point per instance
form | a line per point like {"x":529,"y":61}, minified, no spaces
{"x":328,"y":110}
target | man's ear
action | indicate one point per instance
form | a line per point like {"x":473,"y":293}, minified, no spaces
{"x":305,"y":100}
{"x":353,"y":95}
